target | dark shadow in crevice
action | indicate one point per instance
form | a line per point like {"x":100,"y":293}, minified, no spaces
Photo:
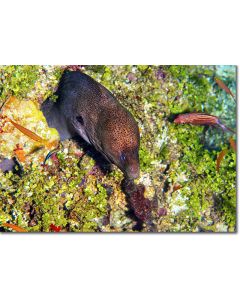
{"x":101,"y":162}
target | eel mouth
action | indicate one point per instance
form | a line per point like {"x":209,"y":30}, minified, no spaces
{"x":132,"y":172}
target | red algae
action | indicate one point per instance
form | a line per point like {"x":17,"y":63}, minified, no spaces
{"x":140,"y":205}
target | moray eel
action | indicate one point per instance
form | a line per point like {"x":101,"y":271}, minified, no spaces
{"x":84,"y":107}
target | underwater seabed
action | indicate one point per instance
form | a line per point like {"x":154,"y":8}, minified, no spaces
{"x":188,"y":173}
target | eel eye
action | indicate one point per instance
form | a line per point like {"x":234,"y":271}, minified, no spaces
{"x":122,"y":157}
{"x":80,"y":119}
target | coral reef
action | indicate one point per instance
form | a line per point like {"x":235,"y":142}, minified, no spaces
{"x":179,"y":189}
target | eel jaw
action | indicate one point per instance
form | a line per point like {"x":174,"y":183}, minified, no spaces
{"x":133,"y":171}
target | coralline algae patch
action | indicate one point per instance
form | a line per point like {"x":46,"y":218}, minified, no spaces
{"x":28,"y":115}
{"x":178,"y":162}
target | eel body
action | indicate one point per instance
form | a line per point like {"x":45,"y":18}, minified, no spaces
{"x":84,"y":107}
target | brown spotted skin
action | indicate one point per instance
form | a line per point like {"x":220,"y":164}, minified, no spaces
{"x":86,"y":108}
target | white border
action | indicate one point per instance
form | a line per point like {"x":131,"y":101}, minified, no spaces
{"x":106,"y":266}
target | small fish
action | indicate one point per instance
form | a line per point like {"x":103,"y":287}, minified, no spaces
{"x":225,"y":151}
{"x":28,"y":132}
{"x":14,"y":227}
{"x":223,"y":86}
{"x":200,"y":119}
{"x":233,"y":144}
{"x":220,"y":158}
{"x":50,"y":154}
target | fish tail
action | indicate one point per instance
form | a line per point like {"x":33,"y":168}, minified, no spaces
{"x":233,"y":96}
{"x":225,"y":128}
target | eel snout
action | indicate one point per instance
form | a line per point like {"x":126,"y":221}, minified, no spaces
{"x":133,"y":172}
{"x":129,"y":164}
{"x":126,"y":160}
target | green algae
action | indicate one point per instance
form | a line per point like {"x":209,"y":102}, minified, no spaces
{"x":27,"y":82}
{"x":17,"y":80}
{"x":46,"y":195}
{"x":69,"y":194}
